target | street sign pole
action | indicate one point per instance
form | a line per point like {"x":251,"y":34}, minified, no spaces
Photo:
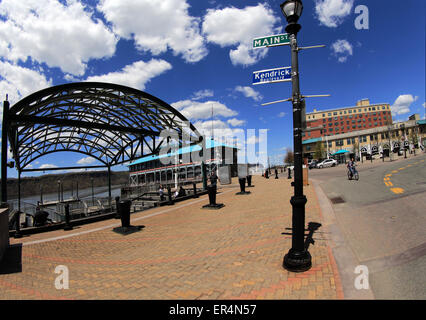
{"x":298,"y":258}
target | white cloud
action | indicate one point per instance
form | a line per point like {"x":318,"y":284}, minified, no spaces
{"x":203,"y":110}
{"x":331,"y":13}
{"x":135,"y":75}
{"x":402,"y":104}
{"x":281,"y":114}
{"x":86,"y":160}
{"x":342,"y":49}
{"x":202,"y":94}
{"x":47,"y":166}
{"x":64,"y":36}
{"x":235,"y":27}
{"x":157,"y":25}
{"x":19,"y":82}
{"x":236,"y":122}
{"x":249,"y":92}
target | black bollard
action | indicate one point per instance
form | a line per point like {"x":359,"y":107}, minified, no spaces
{"x":117,"y":214}
{"x":242,"y":182}
{"x":212,"y":195}
{"x":289,"y":173}
{"x":18,"y":233}
{"x":276,"y":174}
{"x":249,"y":181}
{"x":169,"y":193}
{"x":68,"y":225}
{"x":266,"y":174}
{"x":126,"y":228}
{"x":124,"y":206}
{"x":211,"y":189}
{"x":194,"y":186}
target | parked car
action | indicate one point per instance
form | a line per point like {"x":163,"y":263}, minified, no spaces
{"x":327,"y":163}
{"x":312,"y":164}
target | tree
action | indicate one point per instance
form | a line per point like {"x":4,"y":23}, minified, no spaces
{"x":319,"y":150}
{"x":289,"y":157}
{"x":356,"y":148}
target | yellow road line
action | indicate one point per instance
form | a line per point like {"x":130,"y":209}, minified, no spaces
{"x":397,"y":190}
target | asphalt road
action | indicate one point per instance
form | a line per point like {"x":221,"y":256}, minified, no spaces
{"x":380,"y":222}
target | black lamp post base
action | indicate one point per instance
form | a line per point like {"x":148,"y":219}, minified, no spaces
{"x":68,"y":227}
{"x":127,"y":230}
{"x":297,"y":262}
{"x":213,"y":206}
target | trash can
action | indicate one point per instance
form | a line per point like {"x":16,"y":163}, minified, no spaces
{"x":124,"y":208}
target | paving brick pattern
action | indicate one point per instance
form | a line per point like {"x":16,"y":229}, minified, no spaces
{"x":183,"y":252}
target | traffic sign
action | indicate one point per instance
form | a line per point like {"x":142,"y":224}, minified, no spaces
{"x":272,"y":75}
{"x":271,"y":41}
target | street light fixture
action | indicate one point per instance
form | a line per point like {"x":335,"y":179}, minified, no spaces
{"x":298,"y":258}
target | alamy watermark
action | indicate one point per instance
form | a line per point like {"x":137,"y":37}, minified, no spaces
{"x":361,"y":281}
{"x":62,"y":281}
{"x":179,"y":146}
{"x":361,"y":21}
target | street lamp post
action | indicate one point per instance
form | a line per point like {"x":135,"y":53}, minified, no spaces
{"x":298,"y":258}
{"x":93,"y":193}
{"x":59,"y":190}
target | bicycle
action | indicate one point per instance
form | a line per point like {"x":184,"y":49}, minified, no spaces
{"x":354,"y":176}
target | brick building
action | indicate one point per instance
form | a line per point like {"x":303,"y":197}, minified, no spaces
{"x":343,"y":120}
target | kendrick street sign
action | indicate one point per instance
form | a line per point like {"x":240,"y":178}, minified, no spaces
{"x":272,"y":75}
{"x":271,"y":41}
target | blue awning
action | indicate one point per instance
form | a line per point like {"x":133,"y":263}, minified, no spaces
{"x":340,"y":152}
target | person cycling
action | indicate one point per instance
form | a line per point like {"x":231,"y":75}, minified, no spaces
{"x":351,"y":167}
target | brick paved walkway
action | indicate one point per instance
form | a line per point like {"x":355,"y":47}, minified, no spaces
{"x":183,"y":252}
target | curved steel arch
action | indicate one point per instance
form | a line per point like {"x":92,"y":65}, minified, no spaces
{"x":112,"y":123}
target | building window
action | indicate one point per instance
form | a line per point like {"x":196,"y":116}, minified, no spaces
{"x":330,"y":124}
{"x":353,"y":127}
{"x":340,"y":112}
{"x":323,"y":120}
{"x":348,"y":141}
{"x":323,"y":115}
{"x":350,"y":111}
{"x":359,"y":110}
{"x":354,"y":110}
{"x":383,"y":108}
{"x":330,"y":129}
{"x":329,"y":114}
{"x":347,"y":122}
{"x":335,"y":118}
{"x":344,"y":112}
{"x":374,"y":108}
{"x":336,"y":124}
{"x":335,"y":113}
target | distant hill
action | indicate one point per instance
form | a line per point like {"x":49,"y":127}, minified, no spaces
{"x":49,"y":182}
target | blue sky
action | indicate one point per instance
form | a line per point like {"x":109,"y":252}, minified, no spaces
{"x":196,"y":55}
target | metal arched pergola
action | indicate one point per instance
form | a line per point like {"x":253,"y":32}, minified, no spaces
{"x":108,"y":122}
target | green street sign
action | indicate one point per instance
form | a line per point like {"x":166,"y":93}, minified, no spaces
{"x":271,"y":41}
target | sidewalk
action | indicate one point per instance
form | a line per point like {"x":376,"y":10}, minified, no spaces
{"x":183,"y":252}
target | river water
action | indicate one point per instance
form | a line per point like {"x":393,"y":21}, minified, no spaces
{"x":99,"y":192}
